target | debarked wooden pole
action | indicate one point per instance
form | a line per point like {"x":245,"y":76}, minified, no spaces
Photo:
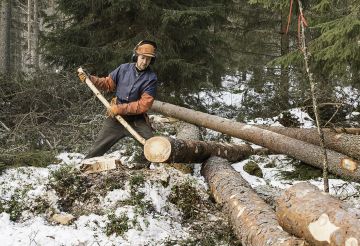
{"x":107,"y":105}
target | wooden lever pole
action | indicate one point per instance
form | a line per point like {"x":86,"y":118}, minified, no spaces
{"x":107,"y":105}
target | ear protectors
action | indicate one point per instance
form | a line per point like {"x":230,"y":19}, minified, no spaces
{"x":145,"y":50}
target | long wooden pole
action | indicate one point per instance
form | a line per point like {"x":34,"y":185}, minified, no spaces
{"x":107,"y":105}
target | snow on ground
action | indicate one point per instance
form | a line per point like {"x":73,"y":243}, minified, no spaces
{"x":150,"y":229}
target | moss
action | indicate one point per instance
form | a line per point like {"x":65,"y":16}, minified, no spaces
{"x":70,"y":186}
{"x":253,"y":168}
{"x":137,"y":180}
{"x":117,"y":225}
{"x":137,"y":198}
{"x":271,"y":164}
{"x":15,"y":206}
{"x":187,"y":199}
{"x":303,"y":171}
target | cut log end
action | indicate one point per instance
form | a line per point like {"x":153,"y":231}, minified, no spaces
{"x":157,"y":149}
{"x":349,"y":164}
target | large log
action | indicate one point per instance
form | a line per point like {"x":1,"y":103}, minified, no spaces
{"x":347,"y":144}
{"x":165,"y":149}
{"x":339,"y":164}
{"x":254,"y":222}
{"x":317,"y":217}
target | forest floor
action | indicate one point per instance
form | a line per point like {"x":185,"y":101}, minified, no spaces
{"x":155,"y":205}
{"x":159,"y":205}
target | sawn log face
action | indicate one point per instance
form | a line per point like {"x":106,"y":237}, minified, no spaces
{"x":253,"y":220}
{"x":317,"y":217}
{"x":165,"y":149}
{"x":306,"y":152}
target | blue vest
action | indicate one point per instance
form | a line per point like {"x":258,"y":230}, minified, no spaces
{"x":131,"y":84}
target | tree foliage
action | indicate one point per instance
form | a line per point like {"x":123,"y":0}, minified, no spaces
{"x":101,"y":35}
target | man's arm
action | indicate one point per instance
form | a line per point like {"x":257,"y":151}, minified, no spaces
{"x":137,"y":107}
{"x":104,"y":83}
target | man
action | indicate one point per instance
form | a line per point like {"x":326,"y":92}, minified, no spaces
{"x":134,"y":85}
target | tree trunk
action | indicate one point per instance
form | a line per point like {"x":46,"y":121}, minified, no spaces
{"x":347,"y":144}
{"x":165,"y":149}
{"x":339,"y":164}
{"x":5,"y":27}
{"x":35,"y":54}
{"x":254,"y":222}
{"x":317,"y":217}
{"x":29,"y":15}
{"x":283,"y":87}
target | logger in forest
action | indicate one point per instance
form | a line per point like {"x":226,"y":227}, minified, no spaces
{"x":134,"y":85}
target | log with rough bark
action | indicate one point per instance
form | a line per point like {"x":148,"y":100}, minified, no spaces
{"x":254,"y":222}
{"x":320,"y":219}
{"x":347,"y":144}
{"x":339,"y":164}
{"x":165,"y":149}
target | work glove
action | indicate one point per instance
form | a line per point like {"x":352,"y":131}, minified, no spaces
{"x":113,"y":109}
{"x":82,"y":75}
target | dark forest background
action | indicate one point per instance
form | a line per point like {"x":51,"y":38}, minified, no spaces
{"x":43,"y":105}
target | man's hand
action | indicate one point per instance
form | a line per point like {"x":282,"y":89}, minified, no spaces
{"x":112,"y":110}
{"x":83,"y":75}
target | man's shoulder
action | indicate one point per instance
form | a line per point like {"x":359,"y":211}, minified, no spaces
{"x":151,"y":74}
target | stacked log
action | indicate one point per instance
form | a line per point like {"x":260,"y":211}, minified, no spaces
{"x":165,"y":149}
{"x":254,"y":222}
{"x":339,"y":164}
{"x":347,"y":144}
{"x":320,"y":219}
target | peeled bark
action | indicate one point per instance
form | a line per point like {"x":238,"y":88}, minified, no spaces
{"x":320,"y":219}
{"x":339,"y":164}
{"x":164,"y":149}
{"x":254,"y":222}
{"x":347,"y":144}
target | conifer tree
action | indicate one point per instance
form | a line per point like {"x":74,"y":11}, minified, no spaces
{"x":100,"y":35}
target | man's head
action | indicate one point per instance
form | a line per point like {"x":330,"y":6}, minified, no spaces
{"x":144,"y":54}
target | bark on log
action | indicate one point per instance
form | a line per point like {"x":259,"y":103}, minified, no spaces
{"x":254,"y":222}
{"x":347,"y":144}
{"x":317,"y":217}
{"x":187,"y":131}
{"x":165,"y":149}
{"x":339,"y":164}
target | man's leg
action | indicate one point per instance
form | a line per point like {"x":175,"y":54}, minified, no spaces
{"x":143,"y":128}
{"x":111,"y":132}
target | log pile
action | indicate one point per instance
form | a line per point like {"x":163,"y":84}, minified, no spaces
{"x":339,"y":164}
{"x":302,"y":210}
{"x":253,"y":220}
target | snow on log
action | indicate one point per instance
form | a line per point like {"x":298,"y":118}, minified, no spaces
{"x":165,"y":149}
{"x":254,"y":222}
{"x":319,"y":218}
{"x":339,"y":164}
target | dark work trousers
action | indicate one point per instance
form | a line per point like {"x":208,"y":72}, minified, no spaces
{"x":112,"y":131}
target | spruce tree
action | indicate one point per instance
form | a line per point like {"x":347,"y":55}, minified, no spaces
{"x":100,"y":35}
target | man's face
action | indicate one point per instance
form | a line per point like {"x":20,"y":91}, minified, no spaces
{"x":143,"y":62}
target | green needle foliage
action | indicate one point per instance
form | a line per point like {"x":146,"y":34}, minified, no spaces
{"x":100,"y":35}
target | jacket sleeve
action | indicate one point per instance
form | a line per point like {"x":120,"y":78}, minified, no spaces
{"x":137,"y":107}
{"x":105,"y":83}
